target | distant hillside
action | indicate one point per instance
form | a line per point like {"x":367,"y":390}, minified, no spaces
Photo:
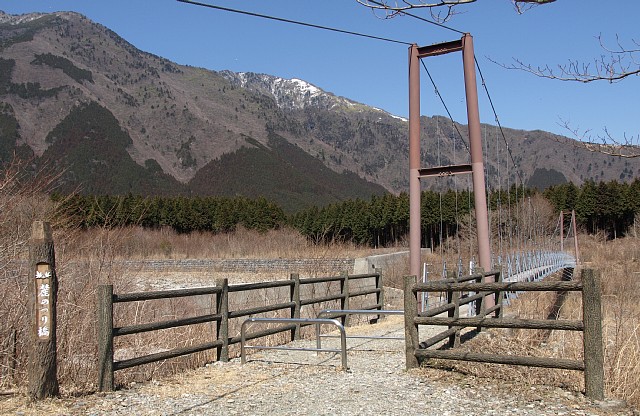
{"x":119,"y":120}
{"x":92,"y":147}
{"x":302,"y":180}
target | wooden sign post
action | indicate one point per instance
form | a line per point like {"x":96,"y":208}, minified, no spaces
{"x":42,"y":291}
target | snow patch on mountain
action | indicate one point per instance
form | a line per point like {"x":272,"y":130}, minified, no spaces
{"x":295,"y":93}
{"x":289,"y":94}
{"x":305,"y":86}
{"x":397,"y":117}
{"x":18,"y":19}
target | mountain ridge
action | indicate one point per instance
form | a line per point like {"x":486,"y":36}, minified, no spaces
{"x":183,"y":119}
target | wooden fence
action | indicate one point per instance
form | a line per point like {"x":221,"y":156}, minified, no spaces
{"x":591,"y":324}
{"x":223,"y":314}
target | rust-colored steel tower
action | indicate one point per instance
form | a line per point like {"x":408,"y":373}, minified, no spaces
{"x":476,"y":168}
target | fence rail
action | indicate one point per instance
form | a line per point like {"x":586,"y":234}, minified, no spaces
{"x":590,"y":325}
{"x":458,"y":294}
{"x":107,"y":299}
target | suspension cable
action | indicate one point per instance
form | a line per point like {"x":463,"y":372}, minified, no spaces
{"x":498,"y":191}
{"x":486,"y":89}
{"x":295,"y":22}
{"x":445,"y":105}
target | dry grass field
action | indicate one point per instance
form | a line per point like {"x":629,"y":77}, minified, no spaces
{"x":85,"y":259}
{"x":618,"y":262}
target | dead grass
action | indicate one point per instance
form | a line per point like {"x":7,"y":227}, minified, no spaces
{"x":617,"y":261}
{"x":138,"y":243}
{"x":85,"y":259}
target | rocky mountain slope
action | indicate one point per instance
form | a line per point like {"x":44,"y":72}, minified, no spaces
{"x":75,"y":95}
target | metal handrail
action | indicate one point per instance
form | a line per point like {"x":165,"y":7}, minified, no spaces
{"x":341,"y":312}
{"x":317,"y":321}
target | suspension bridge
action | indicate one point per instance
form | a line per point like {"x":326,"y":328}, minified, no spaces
{"x":512,"y":234}
{"x":501,"y":238}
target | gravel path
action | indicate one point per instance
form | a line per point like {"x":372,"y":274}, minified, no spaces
{"x":275,"y":382}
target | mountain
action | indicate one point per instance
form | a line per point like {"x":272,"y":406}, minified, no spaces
{"x":76,"y":96}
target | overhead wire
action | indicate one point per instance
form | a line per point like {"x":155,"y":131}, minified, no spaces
{"x":455,"y":182}
{"x":437,"y":91}
{"x":504,"y":218}
{"x":519,"y":206}
{"x":490,"y":216}
{"x":295,"y":22}
{"x":495,"y":114}
{"x":439,"y":187}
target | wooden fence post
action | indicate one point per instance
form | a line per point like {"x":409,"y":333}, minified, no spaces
{"x":295,"y":309}
{"x":380,"y":285}
{"x":105,"y":338}
{"x":379,"y":295}
{"x":477,"y":304}
{"x":454,"y":297}
{"x":344,"y":302}
{"x":42,"y":290}
{"x":411,"y":340}
{"x":593,"y":352}
{"x":499,"y":299}
{"x":222,"y":328}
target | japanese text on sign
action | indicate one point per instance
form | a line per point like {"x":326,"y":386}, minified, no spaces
{"x":43,"y":300}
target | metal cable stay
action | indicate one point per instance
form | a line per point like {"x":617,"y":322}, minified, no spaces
{"x":541,"y":260}
{"x":531,"y":256}
{"x":294,"y":22}
{"x":440,"y":186}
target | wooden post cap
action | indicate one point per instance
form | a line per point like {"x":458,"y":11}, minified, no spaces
{"x":41,"y":231}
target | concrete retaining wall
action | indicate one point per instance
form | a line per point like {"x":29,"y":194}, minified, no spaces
{"x":245,"y":265}
{"x":386,"y":262}
{"x":361,"y":265}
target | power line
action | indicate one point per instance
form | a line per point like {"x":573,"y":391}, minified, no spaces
{"x":295,"y":22}
{"x":444,"y":105}
{"x":495,"y":114}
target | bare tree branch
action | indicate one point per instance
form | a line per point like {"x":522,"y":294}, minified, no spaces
{"x":396,"y":6}
{"x":619,"y":64}
{"x":522,"y":6}
{"x":601,"y":70}
{"x":622,"y":49}
{"x":605,"y":144}
{"x":392,"y":8}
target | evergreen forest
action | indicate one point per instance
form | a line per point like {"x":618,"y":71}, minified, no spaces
{"x":609,"y":208}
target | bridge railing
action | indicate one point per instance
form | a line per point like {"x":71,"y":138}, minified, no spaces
{"x":534,"y":265}
{"x":590,"y":325}
{"x":315,"y":293}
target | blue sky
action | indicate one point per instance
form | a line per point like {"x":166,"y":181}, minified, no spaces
{"x":375,"y":72}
